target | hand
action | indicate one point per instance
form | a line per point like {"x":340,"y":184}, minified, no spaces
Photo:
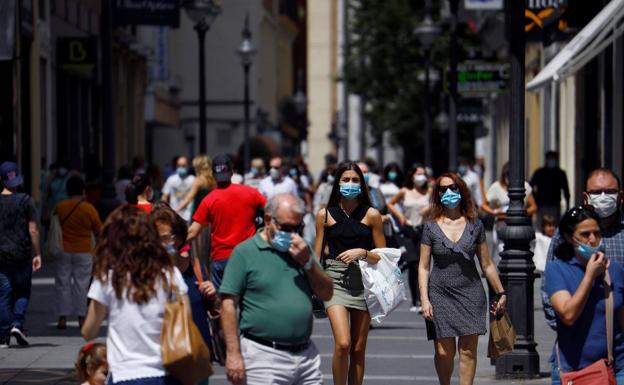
{"x":36,"y":263}
{"x":385,"y":218}
{"x":498,"y":307}
{"x":402,"y":220}
{"x":235,"y":369}
{"x":597,"y":265}
{"x":299,"y":250}
{"x":351,"y":256}
{"x":427,"y":310}
{"x":206,"y":289}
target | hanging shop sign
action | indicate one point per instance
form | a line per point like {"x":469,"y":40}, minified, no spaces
{"x":476,"y":78}
{"x":480,"y":5}
{"x":146,"y":12}
{"x":541,"y":15}
{"x":77,"y":53}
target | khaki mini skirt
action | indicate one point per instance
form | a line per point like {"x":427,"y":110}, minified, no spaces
{"x":348,"y":286}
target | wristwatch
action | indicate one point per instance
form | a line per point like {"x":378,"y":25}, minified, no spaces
{"x":308,"y":265}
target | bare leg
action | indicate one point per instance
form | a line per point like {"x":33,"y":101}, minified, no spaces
{"x":339,"y":319}
{"x":444,"y":359}
{"x":467,"y":358}
{"x":360,"y":321}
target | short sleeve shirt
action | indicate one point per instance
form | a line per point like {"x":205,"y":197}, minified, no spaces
{"x":177,"y":188}
{"x":79,"y":225}
{"x":231,"y":212}
{"x":286,"y":185}
{"x":133,"y":338}
{"x":585,"y":342}
{"x":498,"y":197}
{"x":273,"y":290}
{"x":16,"y":212}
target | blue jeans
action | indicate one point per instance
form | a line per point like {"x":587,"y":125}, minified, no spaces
{"x":168,"y":380}
{"x":556,"y":379}
{"x":15,"y":284}
{"x":216,"y":272}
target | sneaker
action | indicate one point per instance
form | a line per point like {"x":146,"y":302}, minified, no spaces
{"x":4,"y":342}
{"x":19,"y":335}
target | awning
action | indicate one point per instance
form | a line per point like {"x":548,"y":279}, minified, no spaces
{"x":598,"y":34}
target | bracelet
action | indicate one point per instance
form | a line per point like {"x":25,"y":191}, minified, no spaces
{"x":501,"y":293}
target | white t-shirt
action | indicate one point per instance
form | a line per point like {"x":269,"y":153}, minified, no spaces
{"x":133,"y":341}
{"x":542,"y":243}
{"x":497,"y":196}
{"x":389,"y":190}
{"x":177,"y":189}
{"x":474,"y":184}
{"x":270,"y":188}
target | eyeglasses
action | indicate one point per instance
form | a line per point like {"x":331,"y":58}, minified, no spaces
{"x":607,"y":191}
{"x":298,"y":228}
{"x":452,"y":187}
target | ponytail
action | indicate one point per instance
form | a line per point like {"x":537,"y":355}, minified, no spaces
{"x":137,"y":187}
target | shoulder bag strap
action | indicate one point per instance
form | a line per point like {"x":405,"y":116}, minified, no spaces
{"x":70,"y":213}
{"x":609,"y":314}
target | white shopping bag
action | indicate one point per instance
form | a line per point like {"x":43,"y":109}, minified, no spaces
{"x":384,"y":288}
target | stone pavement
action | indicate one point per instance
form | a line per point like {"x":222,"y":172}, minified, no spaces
{"x":397,"y":352}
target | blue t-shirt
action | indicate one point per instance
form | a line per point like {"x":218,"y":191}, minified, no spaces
{"x":586,"y":341}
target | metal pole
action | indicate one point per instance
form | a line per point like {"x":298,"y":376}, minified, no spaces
{"x":453,"y":146}
{"x":201,"y":29}
{"x":108,"y":126}
{"x":516,"y":266}
{"x":427,"y":104}
{"x":345,"y":87}
{"x":247,"y":144}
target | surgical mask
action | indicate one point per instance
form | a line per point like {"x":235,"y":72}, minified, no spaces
{"x":366,"y":178}
{"x":331,"y":179}
{"x":392,"y":175}
{"x":551,"y":163}
{"x":450,"y":199}
{"x":254,"y":172}
{"x":479,"y":170}
{"x":420,"y":180}
{"x":604,"y":204}
{"x":586,"y":251}
{"x":275,"y":173}
{"x":462,"y":170}
{"x":182,"y":171}
{"x":293,"y":172}
{"x":281,"y":241}
{"x":350,"y":190}
{"x":171,"y":249}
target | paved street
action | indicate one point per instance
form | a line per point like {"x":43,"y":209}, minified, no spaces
{"x":398,"y":352}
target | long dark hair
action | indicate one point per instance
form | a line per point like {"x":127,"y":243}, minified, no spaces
{"x":565,"y":249}
{"x":334,"y":198}
{"x":466,"y":205}
{"x":130,"y":256}
{"x":136,"y":187}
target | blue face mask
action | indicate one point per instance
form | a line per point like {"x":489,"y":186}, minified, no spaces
{"x":462,"y":170}
{"x":350,"y":190}
{"x":281,"y":241}
{"x":171,"y":249}
{"x":392,"y":175}
{"x":254,"y":172}
{"x":182,"y":171}
{"x":586,"y":251}
{"x":366,"y":178}
{"x":450,"y":199}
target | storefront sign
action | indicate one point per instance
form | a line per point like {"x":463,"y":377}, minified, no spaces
{"x":77,"y":53}
{"x":480,"y":77}
{"x":478,"y":5}
{"x":146,"y":12}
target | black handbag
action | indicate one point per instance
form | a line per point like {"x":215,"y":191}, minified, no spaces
{"x":318,"y":307}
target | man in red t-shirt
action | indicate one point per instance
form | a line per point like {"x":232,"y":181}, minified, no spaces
{"x":230,"y":210}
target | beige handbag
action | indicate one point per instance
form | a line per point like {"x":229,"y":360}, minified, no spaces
{"x":502,"y":336}
{"x":184,"y":353}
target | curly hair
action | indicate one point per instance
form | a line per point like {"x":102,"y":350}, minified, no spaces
{"x":90,"y":357}
{"x":203,"y":167}
{"x":466,"y":205}
{"x":130,"y":255}
{"x":162,"y":212}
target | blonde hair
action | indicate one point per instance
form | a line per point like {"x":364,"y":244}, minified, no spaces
{"x":203,"y":167}
{"x":90,"y":357}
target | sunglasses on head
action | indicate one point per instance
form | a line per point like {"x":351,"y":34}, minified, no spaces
{"x":578,"y":210}
{"x":298,"y":229}
{"x":452,"y":187}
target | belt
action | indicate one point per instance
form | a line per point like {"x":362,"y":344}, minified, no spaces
{"x":293,"y":348}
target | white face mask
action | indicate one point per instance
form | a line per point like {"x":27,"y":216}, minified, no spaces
{"x":604,"y":204}
{"x":420,"y":180}
{"x":275,"y":173}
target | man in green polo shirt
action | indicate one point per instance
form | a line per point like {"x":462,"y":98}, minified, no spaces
{"x":272,"y":277}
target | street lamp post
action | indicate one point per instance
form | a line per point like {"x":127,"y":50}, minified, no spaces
{"x":246,"y":52}
{"x":453,"y":143}
{"x":516,"y":266}
{"x":426,"y":33}
{"x":203,"y":13}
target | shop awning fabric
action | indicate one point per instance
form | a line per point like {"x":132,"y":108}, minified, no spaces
{"x":602,"y":31}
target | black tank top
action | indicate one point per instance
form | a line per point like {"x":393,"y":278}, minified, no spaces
{"x":348,"y":232}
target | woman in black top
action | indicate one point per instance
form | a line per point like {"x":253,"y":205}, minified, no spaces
{"x":347,"y":230}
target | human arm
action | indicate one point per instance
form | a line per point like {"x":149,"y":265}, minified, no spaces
{"x":234,"y":365}
{"x":95,"y":316}
{"x":423,"y":280}
{"x":375,"y":222}
{"x":566,"y":189}
{"x":190,"y":195}
{"x":491,"y":273}
{"x":193,"y":231}
{"x":392,"y":206}
{"x":320,"y":232}
{"x":320,"y":283}
{"x":570,"y":306}
{"x":35,"y":240}
{"x":531,"y":205}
